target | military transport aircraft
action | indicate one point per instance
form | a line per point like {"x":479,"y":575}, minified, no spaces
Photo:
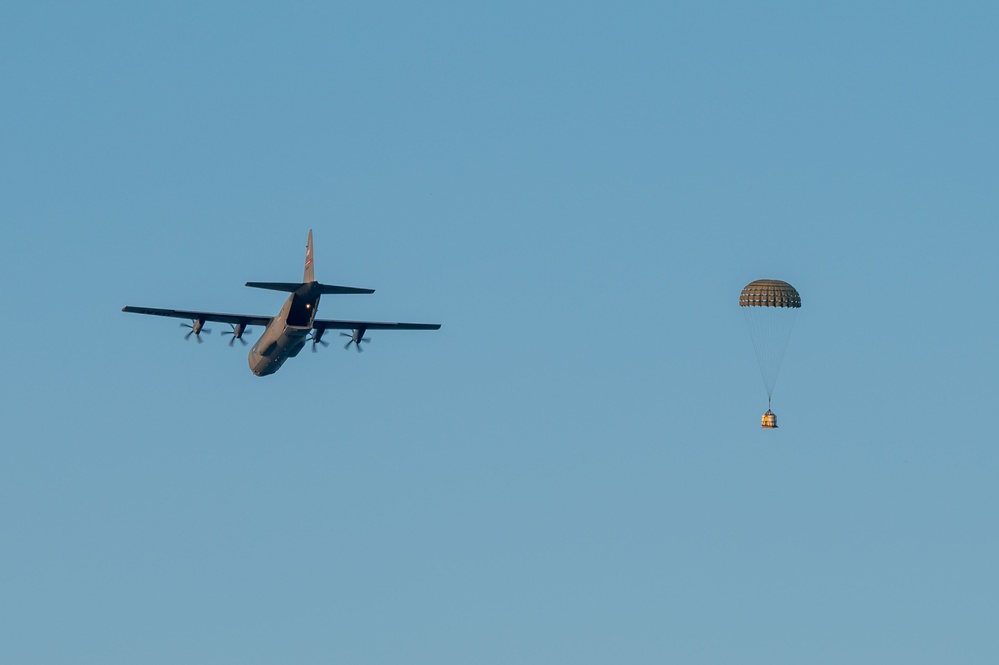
{"x":286,"y":334}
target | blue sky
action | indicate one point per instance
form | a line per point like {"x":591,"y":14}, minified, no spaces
{"x":572,"y":469}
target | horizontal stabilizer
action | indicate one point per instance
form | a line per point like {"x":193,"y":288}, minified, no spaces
{"x":291,"y":287}
{"x":331,"y":289}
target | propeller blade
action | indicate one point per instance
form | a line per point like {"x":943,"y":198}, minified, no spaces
{"x":317,"y":340}
{"x":234,"y":336}
{"x":197,"y":333}
{"x":354,"y":340}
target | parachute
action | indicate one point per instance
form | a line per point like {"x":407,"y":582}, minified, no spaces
{"x":770,"y":307}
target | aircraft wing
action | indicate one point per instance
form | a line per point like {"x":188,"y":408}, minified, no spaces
{"x":234,"y":319}
{"x":330,"y":324}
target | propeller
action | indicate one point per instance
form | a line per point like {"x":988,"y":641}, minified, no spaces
{"x":237,"y":333}
{"x":355,"y":338}
{"x":317,"y":338}
{"x":197,"y":327}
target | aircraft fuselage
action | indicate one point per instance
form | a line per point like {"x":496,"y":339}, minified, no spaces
{"x":287,"y":333}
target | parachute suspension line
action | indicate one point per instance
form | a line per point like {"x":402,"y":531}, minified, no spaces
{"x":770,"y":330}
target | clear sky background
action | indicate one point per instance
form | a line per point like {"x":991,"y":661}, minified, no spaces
{"x":572,"y":469}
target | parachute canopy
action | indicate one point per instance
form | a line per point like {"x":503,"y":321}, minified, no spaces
{"x":769,"y":293}
{"x":770,"y":306}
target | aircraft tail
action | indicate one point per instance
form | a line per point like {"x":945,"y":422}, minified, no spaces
{"x":309,"y":281}
{"x":310,"y":268}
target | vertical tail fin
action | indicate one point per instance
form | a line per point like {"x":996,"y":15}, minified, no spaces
{"x":310,"y":269}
